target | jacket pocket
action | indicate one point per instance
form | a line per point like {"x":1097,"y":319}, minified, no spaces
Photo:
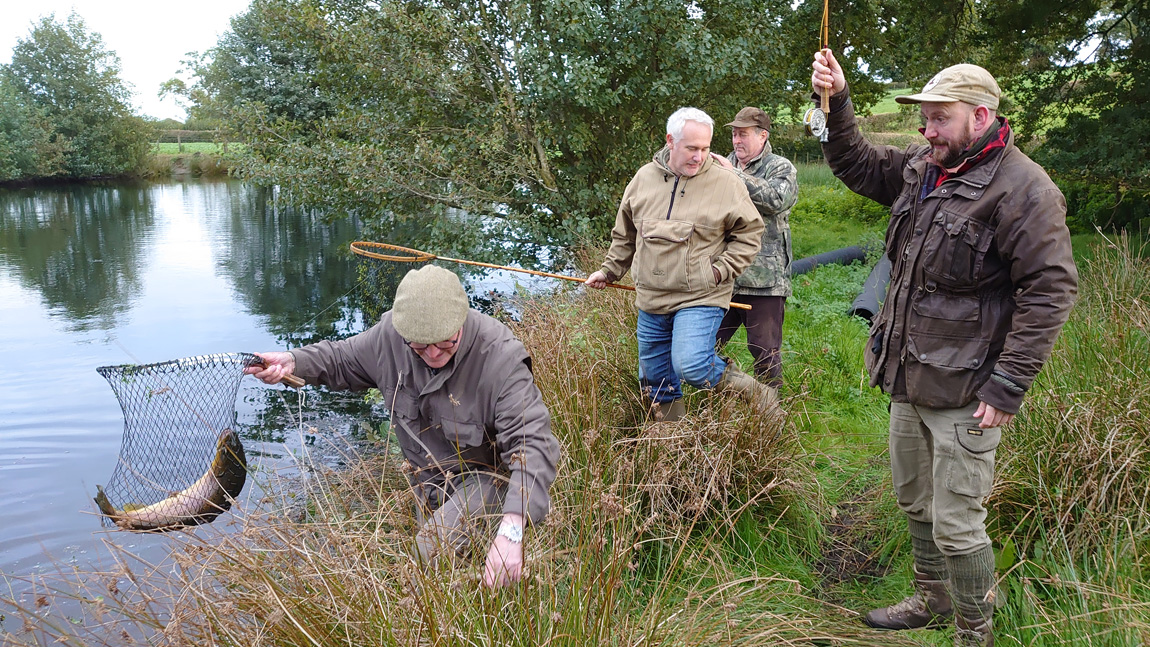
{"x":464,"y":434}
{"x":768,"y":266}
{"x":947,"y":315}
{"x":900,"y":220}
{"x":662,"y":259}
{"x":405,"y":412}
{"x":955,"y":249}
{"x":941,"y":372}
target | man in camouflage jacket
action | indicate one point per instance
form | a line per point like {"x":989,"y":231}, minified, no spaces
{"x":766,"y":284}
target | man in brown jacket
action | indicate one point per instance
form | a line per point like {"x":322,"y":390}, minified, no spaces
{"x":686,"y":228}
{"x":982,"y":280}
{"x":464,"y":407}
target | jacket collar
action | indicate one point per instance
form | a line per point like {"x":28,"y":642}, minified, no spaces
{"x":663,"y":156}
{"x":754,"y":160}
{"x":980,"y":174}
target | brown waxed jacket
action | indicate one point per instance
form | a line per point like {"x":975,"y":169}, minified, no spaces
{"x":982,"y":276}
{"x":480,"y":412}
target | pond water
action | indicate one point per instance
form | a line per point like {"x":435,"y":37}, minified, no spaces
{"x":104,"y":275}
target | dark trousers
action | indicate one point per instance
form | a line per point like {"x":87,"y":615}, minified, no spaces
{"x":764,"y":322}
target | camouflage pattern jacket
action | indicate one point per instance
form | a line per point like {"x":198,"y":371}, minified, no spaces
{"x":770,"y":180}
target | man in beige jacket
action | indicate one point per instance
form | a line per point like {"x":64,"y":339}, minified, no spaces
{"x":465,"y":409}
{"x":686,"y":227}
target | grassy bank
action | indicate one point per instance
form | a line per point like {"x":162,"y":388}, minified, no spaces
{"x":195,"y":164}
{"x":719,"y":529}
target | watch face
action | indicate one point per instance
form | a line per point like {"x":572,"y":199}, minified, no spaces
{"x":514,"y":533}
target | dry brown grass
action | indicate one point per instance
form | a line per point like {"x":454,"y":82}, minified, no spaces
{"x":635,"y":551}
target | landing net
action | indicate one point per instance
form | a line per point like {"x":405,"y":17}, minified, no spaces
{"x":174,"y":415}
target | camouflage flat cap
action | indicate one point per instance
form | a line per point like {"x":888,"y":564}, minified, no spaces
{"x":751,"y":116}
{"x":964,"y":82}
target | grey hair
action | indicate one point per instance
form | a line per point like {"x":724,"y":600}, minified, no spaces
{"x":680,"y":117}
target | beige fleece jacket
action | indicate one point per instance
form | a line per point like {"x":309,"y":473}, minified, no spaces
{"x":672,"y":230}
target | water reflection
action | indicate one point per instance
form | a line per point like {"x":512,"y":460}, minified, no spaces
{"x":291,"y":267}
{"x":80,"y":248}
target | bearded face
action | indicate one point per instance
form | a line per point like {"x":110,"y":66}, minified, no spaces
{"x":949,"y":129}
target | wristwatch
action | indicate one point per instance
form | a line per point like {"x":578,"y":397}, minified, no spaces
{"x":513,"y":532}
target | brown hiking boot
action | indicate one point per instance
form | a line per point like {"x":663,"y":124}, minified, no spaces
{"x":973,"y":633}
{"x":753,"y":392}
{"x":929,"y":607}
{"x":669,"y":411}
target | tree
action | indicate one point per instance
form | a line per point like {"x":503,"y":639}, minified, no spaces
{"x":1073,"y":72}
{"x":533,"y":112}
{"x":28,"y":145}
{"x":62,"y":72}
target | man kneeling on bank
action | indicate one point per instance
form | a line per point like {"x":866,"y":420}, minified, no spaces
{"x":465,"y":410}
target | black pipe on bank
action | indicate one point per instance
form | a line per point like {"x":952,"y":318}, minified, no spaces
{"x":867,"y":303}
{"x":844,"y":256}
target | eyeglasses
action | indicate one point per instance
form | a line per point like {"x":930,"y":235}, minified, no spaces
{"x":443,"y":345}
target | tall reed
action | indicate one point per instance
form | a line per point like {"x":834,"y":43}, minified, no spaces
{"x":1070,"y":504}
{"x":637,"y":549}
{"x":1076,"y":461}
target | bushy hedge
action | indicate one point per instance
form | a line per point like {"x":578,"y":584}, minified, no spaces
{"x":1091,"y":205}
{"x":187,"y":136}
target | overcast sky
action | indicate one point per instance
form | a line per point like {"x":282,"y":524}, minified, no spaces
{"x":151,"y":38}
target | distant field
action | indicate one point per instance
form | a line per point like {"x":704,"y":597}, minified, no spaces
{"x":166,"y":148}
{"x":888,"y":103}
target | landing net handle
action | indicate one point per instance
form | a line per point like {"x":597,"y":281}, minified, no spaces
{"x":409,"y":255}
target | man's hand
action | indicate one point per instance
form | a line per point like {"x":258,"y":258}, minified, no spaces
{"x":715,"y":273}
{"x":722,"y":161}
{"x":505,"y":557}
{"x":276,"y":367}
{"x":597,"y":280}
{"x":828,"y":74}
{"x":992,"y":417}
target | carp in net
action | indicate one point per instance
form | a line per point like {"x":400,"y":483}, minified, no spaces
{"x":181,"y":462}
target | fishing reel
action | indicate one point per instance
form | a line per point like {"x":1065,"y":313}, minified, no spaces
{"x":815,"y":121}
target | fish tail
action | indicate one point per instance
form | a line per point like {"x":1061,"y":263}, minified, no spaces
{"x":103,"y":503}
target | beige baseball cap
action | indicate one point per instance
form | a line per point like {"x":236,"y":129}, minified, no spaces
{"x":963,"y":82}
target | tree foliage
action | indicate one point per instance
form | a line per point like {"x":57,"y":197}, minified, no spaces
{"x":536,"y":112}
{"x":64,"y":104}
{"x":1074,"y":73}
{"x":28,"y":145}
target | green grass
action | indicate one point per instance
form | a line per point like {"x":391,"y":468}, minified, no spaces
{"x":828,"y":216}
{"x":168,"y":148}
{"x":888,"y":104}
{"x":719,"y":529}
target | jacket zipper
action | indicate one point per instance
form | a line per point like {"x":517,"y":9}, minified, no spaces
{"x":672,"y":205}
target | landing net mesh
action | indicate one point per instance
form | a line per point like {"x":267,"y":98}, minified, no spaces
{"x":174,"y":413}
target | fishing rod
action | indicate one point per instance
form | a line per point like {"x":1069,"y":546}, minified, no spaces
{"x":815,"y":119}
{"x":409,"y":255}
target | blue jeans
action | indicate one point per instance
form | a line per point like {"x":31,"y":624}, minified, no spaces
{"x":679,"y":347}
